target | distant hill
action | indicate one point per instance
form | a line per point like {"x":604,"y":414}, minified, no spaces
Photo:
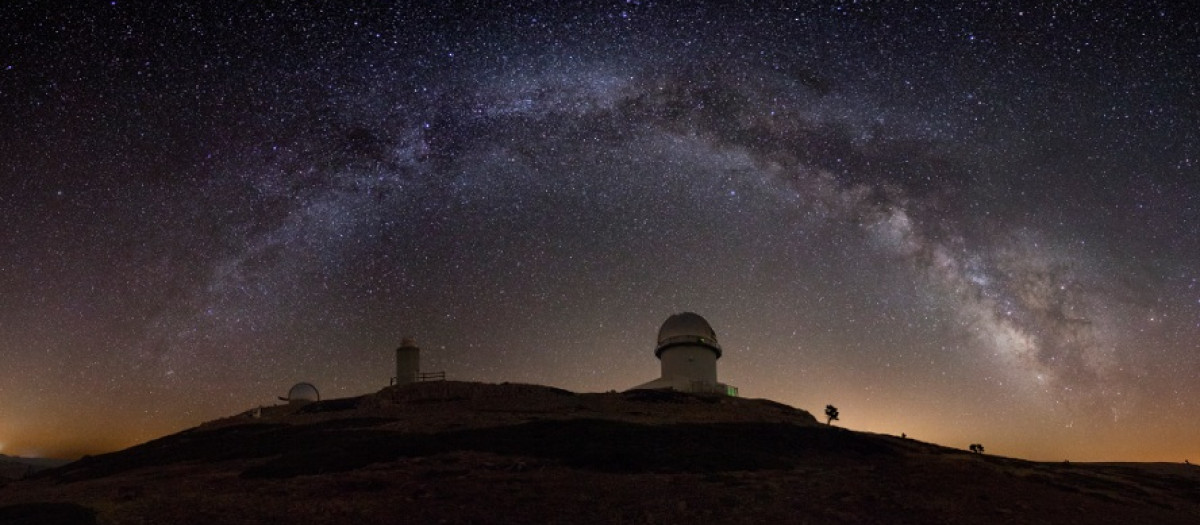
{"x":16,"y":467}
{"x":452,"y":452}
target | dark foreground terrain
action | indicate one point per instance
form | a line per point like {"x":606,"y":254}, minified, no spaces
{"x":454,"y":452}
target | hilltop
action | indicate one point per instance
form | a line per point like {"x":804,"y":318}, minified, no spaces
{"x":454,"y":452}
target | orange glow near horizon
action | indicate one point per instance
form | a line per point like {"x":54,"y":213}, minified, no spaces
{"x":915,"y":416}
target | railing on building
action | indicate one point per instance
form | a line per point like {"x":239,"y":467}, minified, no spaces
{"x":421,"y":377}
{"x":431,"y":376}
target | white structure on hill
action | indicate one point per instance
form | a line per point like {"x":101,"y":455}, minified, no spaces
{"x":408,"y":362}
{"x":688,"y":350}
{"x":408,"y":365}
{"x":302,"y":393}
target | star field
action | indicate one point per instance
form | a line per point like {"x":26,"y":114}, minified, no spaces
{"x":967,"y":224}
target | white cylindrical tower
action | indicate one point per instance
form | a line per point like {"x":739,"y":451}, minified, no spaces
{"x":408,"y":361}
{"x":688,"y":349}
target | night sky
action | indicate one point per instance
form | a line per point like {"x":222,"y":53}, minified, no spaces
{"x":970,"y":225}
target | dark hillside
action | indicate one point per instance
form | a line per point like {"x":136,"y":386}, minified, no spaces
{"x":474,"y":453}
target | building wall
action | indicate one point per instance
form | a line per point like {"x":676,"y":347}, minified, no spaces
{"x":408,"y":364}
{"x":696,"y":363}
{"x":683,"y":384}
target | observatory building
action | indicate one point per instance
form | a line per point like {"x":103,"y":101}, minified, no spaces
{"x":688,"y":350}
{"x":408,"y":362}
{"x":302,"y":393}
{"x":408,"y":365}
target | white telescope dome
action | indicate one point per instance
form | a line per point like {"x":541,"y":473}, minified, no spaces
{"x":303,"y":393}
{"x":688,"y":329}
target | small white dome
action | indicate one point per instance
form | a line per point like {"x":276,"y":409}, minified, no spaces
{"x":686,"y":328}
{"x":303,"y":393}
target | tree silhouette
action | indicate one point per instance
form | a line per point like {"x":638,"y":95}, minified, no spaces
{"x":976,"y":448}
{"x":831,"y":414}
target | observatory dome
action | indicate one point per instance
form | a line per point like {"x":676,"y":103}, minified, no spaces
{"x":303,"y":393}
{"x":686,"y":328}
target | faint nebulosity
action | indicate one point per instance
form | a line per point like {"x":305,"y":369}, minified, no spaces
{"x":970,"y":224}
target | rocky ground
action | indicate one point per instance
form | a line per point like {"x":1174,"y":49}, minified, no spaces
{"x":452,"y":452}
